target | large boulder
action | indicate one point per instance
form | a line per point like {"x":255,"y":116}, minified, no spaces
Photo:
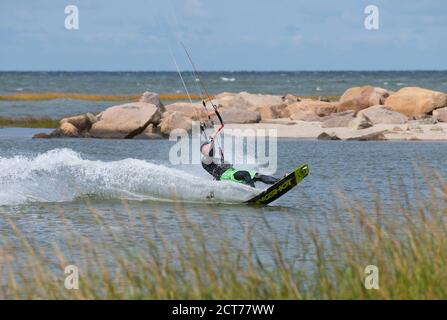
{"x":341,"y":119}
{"x":383,"y":115}
{"x":193,"y":111}
{"x":309,"y":110}
{"x":82,"y":122}
{"x":125,"y":121}
{"x":174,"y":120}
{"x":440,"y":114}
{"x":234,"y":115}
{"x":245,"y":100}
{"x":360,"y":122}
{"x":66,"y":129}
{"x":271,"y":112}
{"x":150,"y":132}
{"x":358,"y":98}
{"x":416,"y":102}
{"x":153,"y":98}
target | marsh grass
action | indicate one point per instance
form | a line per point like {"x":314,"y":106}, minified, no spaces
{"x":29,"y":122}
{"x":407,"y":243}
{"x":41,"y":96}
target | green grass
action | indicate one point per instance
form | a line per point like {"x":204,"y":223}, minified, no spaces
{"x":29,"y":122}
{"x":408,"y":245}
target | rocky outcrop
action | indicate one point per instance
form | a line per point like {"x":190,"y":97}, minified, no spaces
{"x":358,"y":98}
{"x":81,"y":122}
{"x":309,"y":110}
{"x":341,"y":119}
{"x":125,"y":121}
{"x":174,"y":120}
{"x":245,"y":100}
{"x":234,"y":115}
{"x":440,"y":114}
{"x":416,"y":102}
{"x":193,"y":111}
{"x":383,"y":115}
{"x":272,"y":112}
{"x":41,"y":136}
{"x":373,"y":136}
{"x":360,"y":122}
{"x":153,"y":98}
{"x":328,"y":136}
{"x":68,"y":130}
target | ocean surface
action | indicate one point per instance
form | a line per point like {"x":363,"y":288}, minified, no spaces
{"x":41,"y":178}
{"x":319,"y":83}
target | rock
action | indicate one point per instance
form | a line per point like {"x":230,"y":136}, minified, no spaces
{"x":238,"y":116}
{"x":415,"y":124}
{"x":324,"y":99}
{"x":68,"y":130}
{"x":125,"y":121}
{"x":193,"y":111}
{"x":41,"y":136}
{"x":91,"y":117}
{"x":290,"y":98}
{"x":308,"y":110}
{"x":327,"y":136}
{"x":373,"y":136}
{"x":379,"y":114}
{"x":149,"y":133}
{"x":285,"y":121}
{"x":304,"y":115}
{"x":358,"y":98}
{"x":81,"y":122}
{"x":271,"y":112}
{"x":153,"y":98}
{"x":436,"y":128}
{"x":245,"y":100}
{"x":416,"y":102}
{"x":440,"y":114}
{"x":174,"y":120}
{"x":360,"y":122}
{"x":341,"y":119}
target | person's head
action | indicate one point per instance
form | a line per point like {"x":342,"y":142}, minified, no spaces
{"x":205,"y":148}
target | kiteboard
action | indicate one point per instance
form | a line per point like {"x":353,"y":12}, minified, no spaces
{"x":281,"y":187}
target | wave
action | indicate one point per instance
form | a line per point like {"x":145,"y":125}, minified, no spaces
{"x":62,"y":175}
{"x":227,"y":79}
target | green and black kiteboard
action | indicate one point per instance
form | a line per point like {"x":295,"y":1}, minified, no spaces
{"x":281,"y":187}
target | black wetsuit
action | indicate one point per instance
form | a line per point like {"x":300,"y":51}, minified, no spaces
{"x":216,"y":169}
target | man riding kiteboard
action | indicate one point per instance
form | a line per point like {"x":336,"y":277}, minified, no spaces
{"x":222,"y":170}
{"x":218,"y":168}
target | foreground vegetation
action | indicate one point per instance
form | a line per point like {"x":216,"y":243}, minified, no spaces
{"x":408,"y":245}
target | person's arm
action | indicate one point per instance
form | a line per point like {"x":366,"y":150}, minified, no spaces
{"x":212,"y":148}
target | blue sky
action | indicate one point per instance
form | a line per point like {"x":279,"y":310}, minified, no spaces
{"x":223,"y":35}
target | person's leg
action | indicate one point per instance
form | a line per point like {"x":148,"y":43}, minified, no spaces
{"x":265,"y":179}
{"x":243,"y":175}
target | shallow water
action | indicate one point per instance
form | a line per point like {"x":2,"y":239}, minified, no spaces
{"x":120,"y":83}
{"x":39,"y":178}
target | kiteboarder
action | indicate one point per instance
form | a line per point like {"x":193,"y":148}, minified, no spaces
{"x":222,"y":170}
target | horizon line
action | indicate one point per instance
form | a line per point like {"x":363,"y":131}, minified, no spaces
{"x":175,"y":71}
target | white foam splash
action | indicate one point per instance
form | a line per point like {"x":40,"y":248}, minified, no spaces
{"x":225,"y":79}
{"x":62,"y":175}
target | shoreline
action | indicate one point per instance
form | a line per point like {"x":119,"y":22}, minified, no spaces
{"x":303,"y":130}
